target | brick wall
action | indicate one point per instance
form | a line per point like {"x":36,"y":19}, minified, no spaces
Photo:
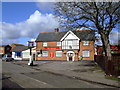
{"x":89,"y":47}
{"x":39,"y":46}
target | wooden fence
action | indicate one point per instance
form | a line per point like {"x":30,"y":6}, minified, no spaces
{"x":111,"y":67}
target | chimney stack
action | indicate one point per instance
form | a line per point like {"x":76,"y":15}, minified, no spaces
{"x":56,"y":30}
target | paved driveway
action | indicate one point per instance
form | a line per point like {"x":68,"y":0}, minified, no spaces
{"x":75,"y":66}
{"x":64,"y":66}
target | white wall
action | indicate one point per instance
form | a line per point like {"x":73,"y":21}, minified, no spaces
{"x":74,"y":42}
{"x":70,"y":36}
{"x":26,"y":54}
{"x":13,"y":54}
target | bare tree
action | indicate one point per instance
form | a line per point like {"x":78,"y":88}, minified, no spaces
{"x":99,"y":16}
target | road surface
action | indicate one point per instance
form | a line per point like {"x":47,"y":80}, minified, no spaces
{"x":26,"y":77}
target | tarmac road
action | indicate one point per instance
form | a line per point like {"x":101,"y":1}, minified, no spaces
{"x":26,"y":77}
{"x":6,"y":83}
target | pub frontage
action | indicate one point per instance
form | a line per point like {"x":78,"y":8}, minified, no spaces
{"x":65,"y":45}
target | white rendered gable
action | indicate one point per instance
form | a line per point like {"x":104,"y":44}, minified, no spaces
{"x":70,"y":41}
{"x":69,"y":35}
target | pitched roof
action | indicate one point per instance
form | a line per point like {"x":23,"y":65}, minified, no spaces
{"x":85,"y":35}
{"x":56,"y":36}
{"x":19,"y":48}
{"x":18,"y":44}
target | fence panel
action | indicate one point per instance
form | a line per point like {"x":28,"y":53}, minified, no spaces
{"x":111,"y":67}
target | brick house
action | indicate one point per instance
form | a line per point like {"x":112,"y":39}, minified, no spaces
{"x":115,"y":49}
{"x":2,"y":47}
{"x":5,"y":49}
{"x":65,"y":45}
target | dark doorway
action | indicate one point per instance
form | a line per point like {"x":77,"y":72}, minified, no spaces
{"x":33,"y":56}
{"x":70,"y":58}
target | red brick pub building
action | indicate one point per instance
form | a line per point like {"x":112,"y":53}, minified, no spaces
{"x":65,"y":45}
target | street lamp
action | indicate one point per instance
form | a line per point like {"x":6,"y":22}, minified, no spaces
{"x":30,"y":46}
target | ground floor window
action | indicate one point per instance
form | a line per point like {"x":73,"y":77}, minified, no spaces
{"x":58,"y":53}
{"x":44,"y":53}
{"x":86,"y":53}
{"x":18,"y":54}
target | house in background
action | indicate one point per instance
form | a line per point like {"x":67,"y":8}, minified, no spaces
{"x":115,"y":50}
{"x":5,"y":49}
{"x":65,"y":45}
{"x":17,"y":52}
{"x":2,"y":49}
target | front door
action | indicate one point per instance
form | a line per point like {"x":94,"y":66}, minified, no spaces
{"x":70,"y":56}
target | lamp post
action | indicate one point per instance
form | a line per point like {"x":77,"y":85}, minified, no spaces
{"x":30,"y":46}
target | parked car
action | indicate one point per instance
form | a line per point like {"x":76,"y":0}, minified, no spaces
{"x":7,"y":57}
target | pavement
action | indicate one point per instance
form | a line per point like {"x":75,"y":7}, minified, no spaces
{"x":82,"y":70}
{"x":13,"y":77}
{"x":7,"y":83}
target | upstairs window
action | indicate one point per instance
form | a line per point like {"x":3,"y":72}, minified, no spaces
{"x":44,"y":44}
{"x":70,"y":44}
{"x":58,"y":43}
{"x":85,"y":43}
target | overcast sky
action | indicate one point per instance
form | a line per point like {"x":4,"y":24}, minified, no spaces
{"x":23,"y":21}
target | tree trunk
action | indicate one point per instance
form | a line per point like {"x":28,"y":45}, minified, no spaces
{"x":106,"y":46}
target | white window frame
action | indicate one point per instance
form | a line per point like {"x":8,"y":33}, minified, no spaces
{"x":58,"y":43}
{"x":85,"y":43}
{"x":44,"y":44}
{"x":43,"y":54}
{"x":86,"y":53}
{"x":58,"y":53}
